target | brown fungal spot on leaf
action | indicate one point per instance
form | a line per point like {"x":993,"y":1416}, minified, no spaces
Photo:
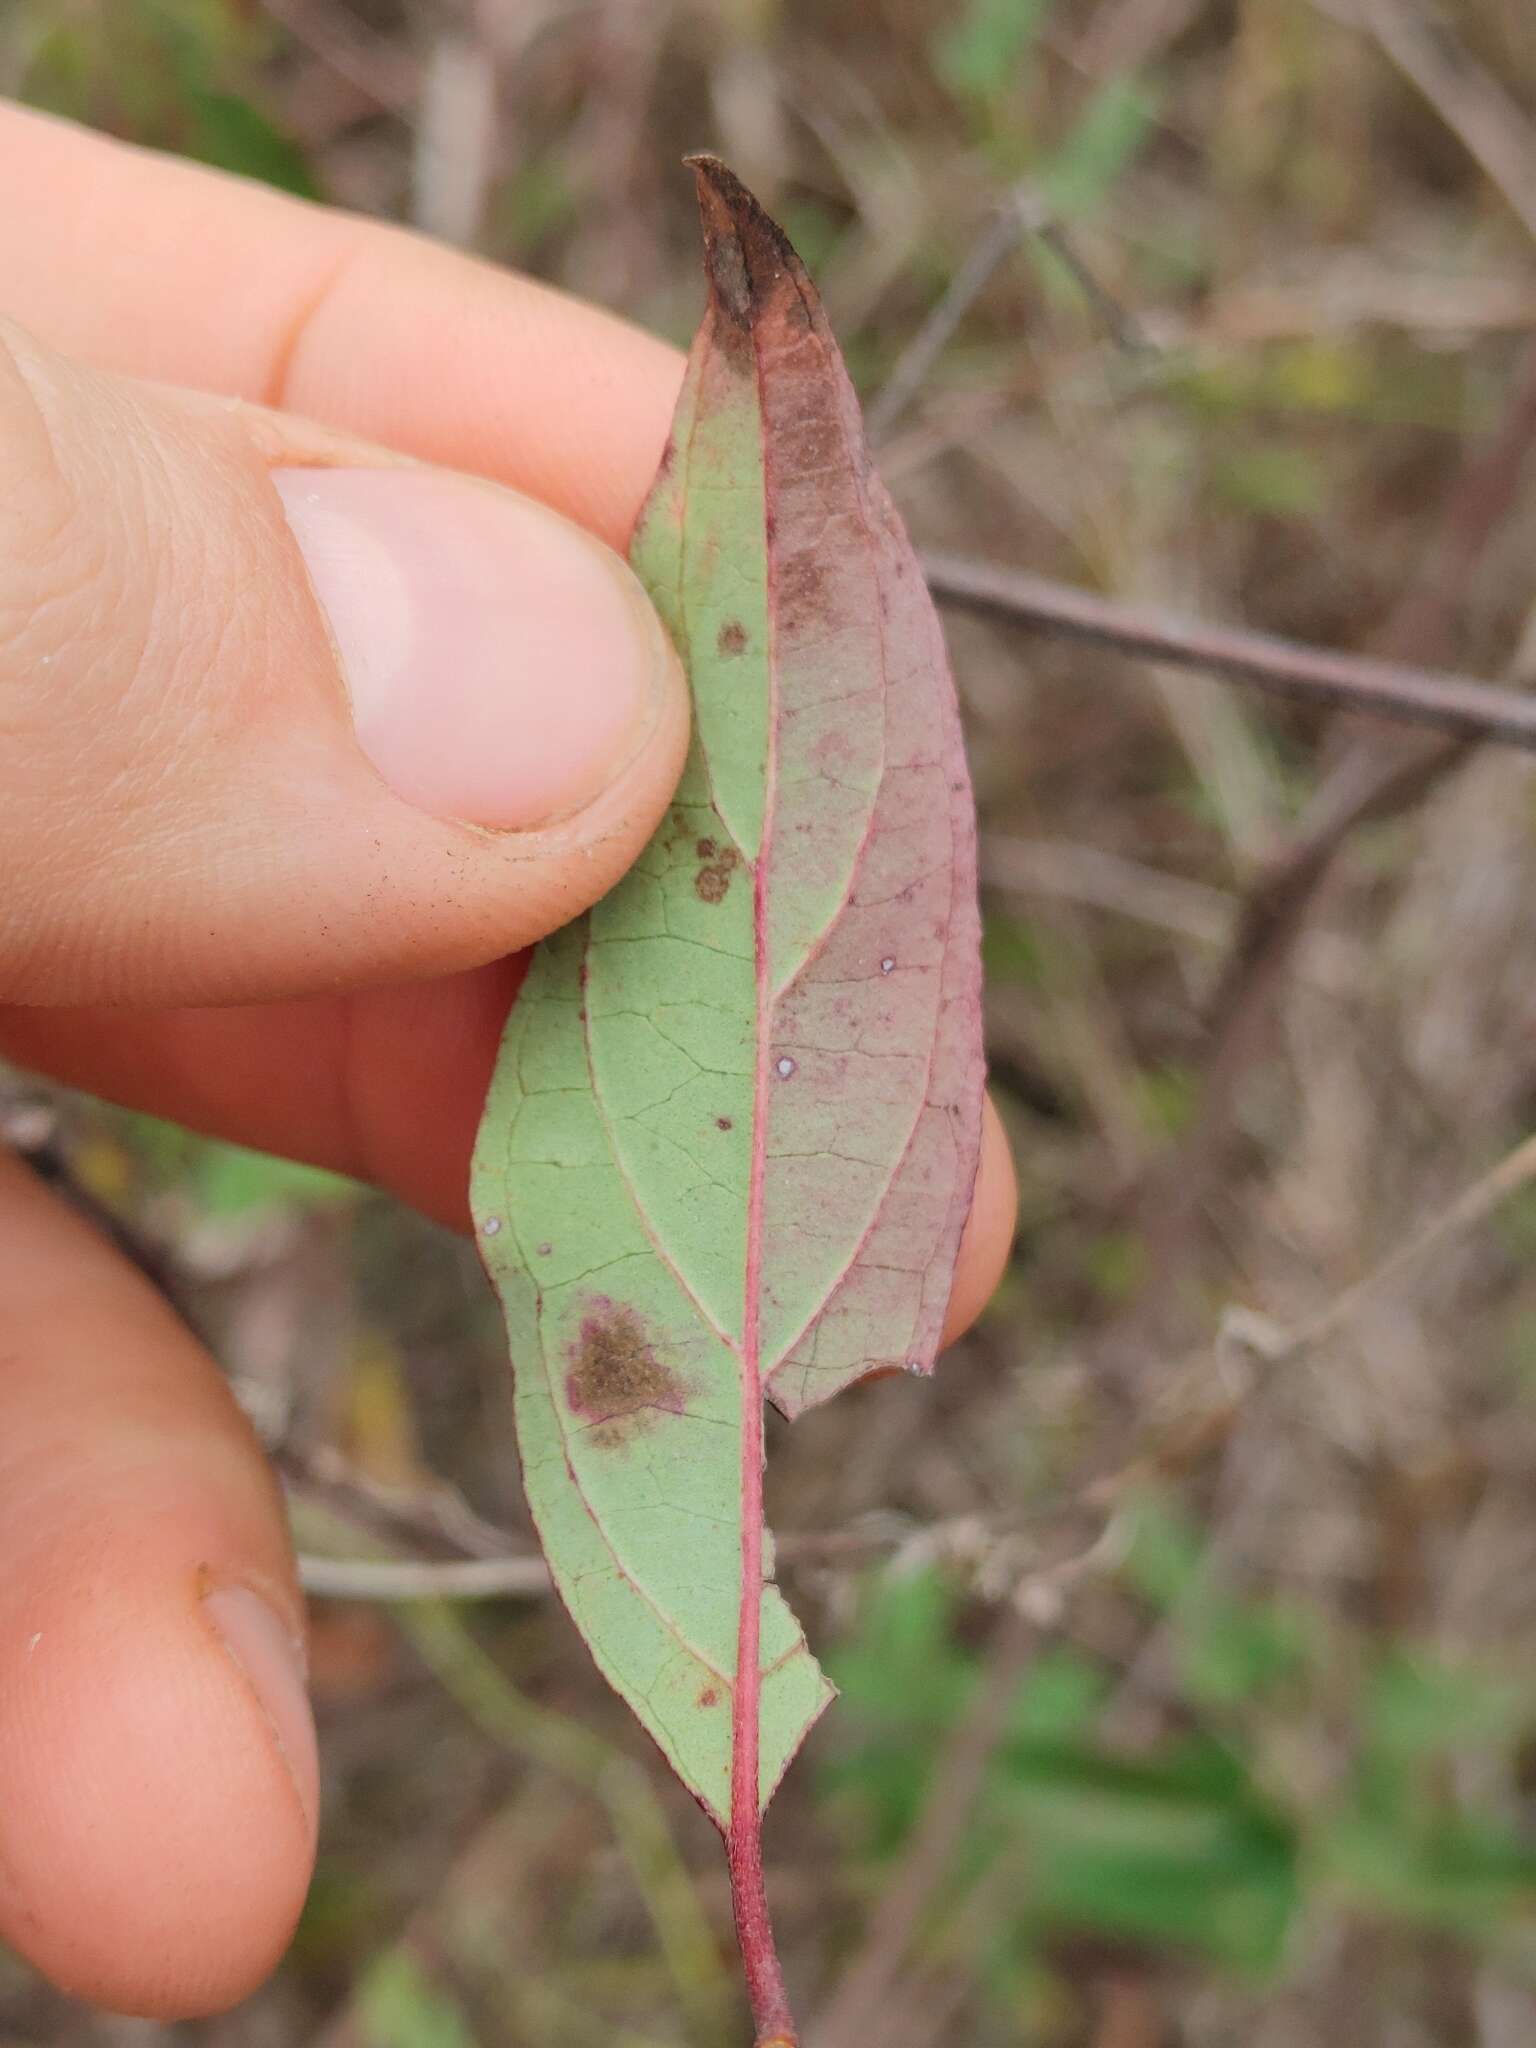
{"x":723,"y":1123}
{"x":710,"y":1696}
{"x":802,"y":579}
{"x":615,"y":1371}
{"x":732,"y":638}
{"x":706,"y":849}
{"x":714,"y":877}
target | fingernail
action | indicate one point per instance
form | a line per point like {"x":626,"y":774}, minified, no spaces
{"x":503,"y":666}
{"x":272,"y":1660}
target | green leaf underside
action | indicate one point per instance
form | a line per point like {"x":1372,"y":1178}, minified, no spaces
{"x":734,"y":1128}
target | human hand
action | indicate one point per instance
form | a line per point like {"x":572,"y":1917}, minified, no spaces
{"x":250,"y":886}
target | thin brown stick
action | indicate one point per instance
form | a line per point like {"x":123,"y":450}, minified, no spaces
{"x":1460,"y":705}
{"x":517,"y":1577}
{"x":367,"y":61}
{"x":1117,"y":321}
{"x":1474,"y":1205}
{"x":510,"y":1571}
{"x":433,"y":1519}
{"x":1107,"y":881}
{"x":455,"y":150}
{"x":1000,"y":235}
{"x":853,"y":2017}
{"x":1019,"y":214}
{"x":1189,"y":1437}
{"x":1101,"y":880}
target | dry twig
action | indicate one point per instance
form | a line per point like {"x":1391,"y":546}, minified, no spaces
{"x":1013,"y":217}
{"x":1101,"y":880}
{"x":365,"y":59}
{"x":455,"y":138}
{"x":517,"y":1576}
{"x":1472,"y":1206}
{"x":1460,"y":705}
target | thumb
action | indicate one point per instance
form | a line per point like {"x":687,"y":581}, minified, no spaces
{"x":282,"y":713}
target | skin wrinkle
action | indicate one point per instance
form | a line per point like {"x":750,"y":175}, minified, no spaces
{"x":305,"y":315}
{"x":21,"y":381}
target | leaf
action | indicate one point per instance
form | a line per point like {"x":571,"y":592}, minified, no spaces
{"x":231,"y":1181}
{"x":233,"y":135}
{"x":905,"y":1681}
{"x":734,"y":1129}
{"x":1469,"y":1873}
{"x":1160,"y":1852}
{"x":402,"y":2008}
{"x":1177,"y":1848}
{"x":979,"y":54}
{"x":1112,"y":128}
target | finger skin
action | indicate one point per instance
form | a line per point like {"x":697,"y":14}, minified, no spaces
{"x":155,"y":1839}
{"x":988,"y":1236}
{"x":367,"y":327}
{"x":387,"y":1086}
{"x":189,"y":815}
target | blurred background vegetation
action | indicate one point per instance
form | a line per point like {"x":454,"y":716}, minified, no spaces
{"x":1186,"y":1625}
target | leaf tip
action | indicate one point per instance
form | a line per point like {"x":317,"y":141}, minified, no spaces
{"x":746,"y":252}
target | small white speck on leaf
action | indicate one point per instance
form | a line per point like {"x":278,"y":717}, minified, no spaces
{"x":491,"y":1225}
{"x":784,"y":1067}
{"x":887,"y":965}
{"x":33,"y":1640}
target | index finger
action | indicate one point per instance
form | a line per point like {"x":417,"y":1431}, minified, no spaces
{"x":195,"y":278}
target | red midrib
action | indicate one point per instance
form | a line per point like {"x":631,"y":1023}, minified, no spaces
{"x":744,"y":1844}
{"x":771,"y":2015}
